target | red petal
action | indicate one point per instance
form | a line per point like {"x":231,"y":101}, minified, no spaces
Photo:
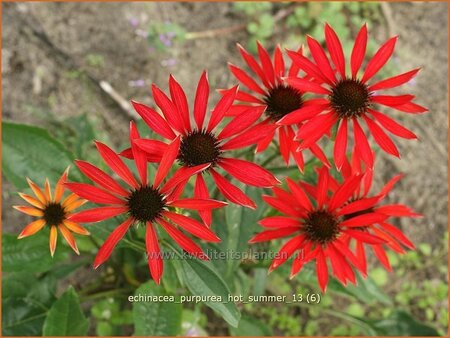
{"x":321,"y":59}
{"x":359,"y":205}
{"x":192,"y":226}
{"x":201,"y":100}
{"x":249,"y":137}
{"x":381,"y":138}
{"x":231,"y":192}
{"x":411,"y":108}
{"x":266,"y":64}
{"x":167,"y":161}
{"x":286,"y":251}
{"x":388,"y":186}
{"x":222,"y":107}
{"x":241,"y":122}
{"x":154,"y":256}
{"x":285,"y":144}
{"x":365,"y":237}
{"x":314,"y":129}
{"x":398,"y":210}
{"x":153,"y":148}
{"x":304,"y":64}
{"x":179,"y":98}
{"x":382,"y":257}
{"x":97,"y":214}
{"x":253,"y":65}
{"x":268,"y":235}
{"x":279,"y":222}
{"x":281,"y":206}
{"x":181,"y":175}
{"x":362,"y":144}
{"x":359,"y":50}
{"x":306,"y":86}
{"x":367,"y":219}
{"x":299,"y":194}
{"x":154,"y":120}
{"x":93,"y":194}
{"x":140,"y":158}
{"x":248,"y":172}
{"x":106,"y":249}
{"x":322,"y":270}
{"x":245,"y":79}
{"x":201,"y":191}
{"x":379,"y":59}
{"x":197,"y":204}
{"x":335,"y":49}
{"x":101,"y":178}
{"x":116,"y":164}
{"x":392,"y":100}
{"x":168,"y":109}
{"x":398,"y":235}
{"x":394,"y":81}
{"x":183,"y":241}
{"x":322,"y":187}
{"x":340,"y":145}
{"x":304,"y":113}
{"x":265,"y":141}
{"x":392,"y":126}
{"x":246,"y":97}
{"x":278,"y":62}
{"x":317,"y":152}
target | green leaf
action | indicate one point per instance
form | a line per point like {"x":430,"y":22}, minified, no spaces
{"x":30,"y":151}
{"x":155,"y":318}
{"x":30,"y":254}
{"x":202,"y":280}
{"x":65,"y":317}
{"x":250,"y":326}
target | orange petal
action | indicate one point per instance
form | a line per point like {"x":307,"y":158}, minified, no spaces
{"x":69,"y":238}
{"x":37,"y":191}
{"x":59,"y":189}
{"x":33,"y":201}
{"x":75,"y":227}
{"x":53,"y":238}
{"x":69,"y":199}
{"x":75,"y":204}
{"x":29,"y":210}
{"x":32,"y":228}
{"x":48,"y":192}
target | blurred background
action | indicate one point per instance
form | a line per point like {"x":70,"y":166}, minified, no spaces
{"x":72,"y":68}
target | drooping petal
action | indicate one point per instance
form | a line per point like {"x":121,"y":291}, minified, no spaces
{"x":140,"y":158}
{"x":93,"y":194}
{"x":231,"y":192}
{"x":379,"y":59}
{"x":29,"y":210}
{"x":192,"y":226}
{"x":392,"y":126}
{"x":305,"y":113}
{"x":116,"y":164}
{"x":381,"y":138}
{"x":154,"y":255}
{"x":182,"y":175}
{"x":179,"y":98}
{"x":335,"y":49}
{"x":398,"y":235}
{"x":248,"y":172}
{"x":97,"y":214}
{"x":286,"y":251}
{"x":201,"y":100}
{"x":33,"y":201}
{"x":321,"y":59}
{"x":69,"y":238}
{"x":340,"y":145}
{"x":366,"y":219}
{"x":222,"y":107}
{"x":285,"y":144}
{"x":322,"y":270}
{"x":364,"y":236}
{"x":245,"y":79}
{"x":382,"y":257}
{"x":75,"y":227}
{"x":359,"y":50}
{"x":167,"y":161}
{"x":37,"y":191}
{"x":394,"y":81}
{"x":168,"y":108}
{"x":197,"y":204}
{"x":314,"y":129}
{"x":107,"y":248}
{"x":269,"y":235}
{"x":101,"y":178}
{"x":53,"y":239}
{"x":32,"y":228}
{"x":201,"y":191}
{"x":59,"y":189}
{"x":183,"y":241}
{"x":322,"y":187}
{"x":362,"y":144}
{"x":250,"y":136}
{"x":154,"y":120}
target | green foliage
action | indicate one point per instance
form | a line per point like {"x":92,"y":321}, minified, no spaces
{"x":155,"y":318}
{"x":250,"y":326}
{"x":163,"y":35}
{"x":95,"y":60}
{"x":65,"y":317}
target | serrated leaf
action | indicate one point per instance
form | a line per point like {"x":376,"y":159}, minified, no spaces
{"x":65,"y":317}
{"x":155,"y":318}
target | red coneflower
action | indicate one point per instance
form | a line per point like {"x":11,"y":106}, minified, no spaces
{"x":204,"y":144}
{"x":363,"y":204}
{"x":142,"y":202}
{"x":277,"y":97}
{"x":52,"y":212}
{"x":319,"y":225}
{"x":349,"y":98}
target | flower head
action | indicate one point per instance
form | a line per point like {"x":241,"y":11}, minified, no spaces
{"x":53,"y":212}
{"x":323,"y":224}
{"x":345,"y":99}
{"x":142,"y":202}
{"x":204,"y":142}
{"x":277,"y":97}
